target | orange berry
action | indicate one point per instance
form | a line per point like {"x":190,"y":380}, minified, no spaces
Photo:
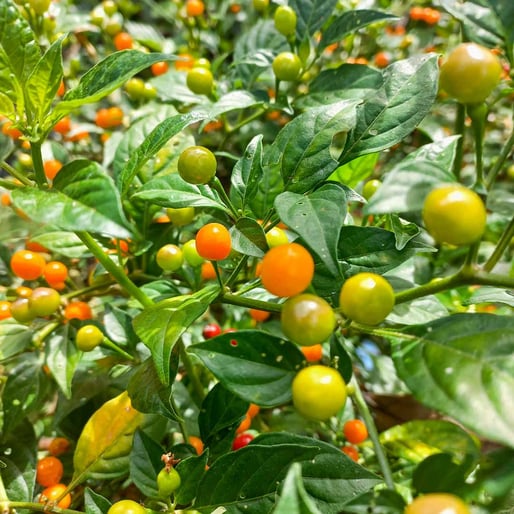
{"x":5,"y":309}
{"x":312,"y":353}
{"x":355,"y":431}
{"x":123,"y":41}
{"x":196,"y":443}
{"x":207,"y":271}
{"x":259,"y":315}
{"x":49,"y":471}
{"x":6,"y":199}
{"x":184,"y":62}
{"x":351,"y":452}
{"x":63,"y":126}
{"x":52,"y":167}
{"x":381,"y":59}
{"x":416,"y":13}
{"x":78,"y":310}
{"x":109,"y":117}
{"x":213,"y":242}
{"x":27,"y":265}
{"x":194,"y":8}
{"x":53,"y":493}
{"x":235,"y":8}
{"x":36,"y":247}
{"x":431,"y":16}
{"x":9,"y":130}
{"x":62,"y":89}
{"x":159,"y":68}
{"x":24,"y":291}
{"x":287,"y":270}
{"x":58,"y":446}
{"x":55,"y":272}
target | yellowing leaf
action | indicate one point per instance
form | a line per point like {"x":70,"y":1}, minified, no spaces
{"x":103,"y":449}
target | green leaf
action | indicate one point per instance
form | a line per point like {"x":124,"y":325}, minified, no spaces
{"x":220,"y":414}
{"x":62,"y":358}
{"x":405,"y":187}
{"x":248,"y":480}
{"x":145,"y":463}
{"x":394,"y":111}
{"x":103,"y":448}
{"x":157,"y":138}
{"x":231,"y":101}
{"x":354,"y":172}
{"x":311,"y":15}
{"x":14,"y":338}
{"x":19,"y":52}
{"x":148,"y":394}
{"x":479,"y":22}
{"x":246,"y":174}
{"x":347,"y":81}
{"x":191,"y":470}
{"x":350,"y":22}
{"x":85,"y":181}
{"x":383,"y":501}
{"x":305,"y":150}
{"x":416,"y":440}
{"x":486,"y":294}
{"x":58,"y":209}
{"x":67,"y":244}
{"x":504,"y":10}
{"x":256,"y":366}
{"x":161,"y":325}
{"x":133,"y":137}
{"x":462,"y":365}
{"x":95,"y":503}
{"x":24,"y":393}
{"x":106,"y":76}
{"x":344,"y":361}
{"x":317,"y":218}
{"x":421,"y":310}
{"x":44,"y":81}
{"x":172,"y":191}
{"x":439,"y":473}
{"x":374,"y":249}
{"x":248,"y":237}
{"x":293,"y":498}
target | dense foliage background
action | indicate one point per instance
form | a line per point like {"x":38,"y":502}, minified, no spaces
{"x":329,"y":129}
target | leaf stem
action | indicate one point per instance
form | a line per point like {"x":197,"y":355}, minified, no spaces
{"x":501,"y":246}
{"x":191,"y":372}
{"x":364,"y":411}
{"x":251,"y":303}
{"x":216,"y":184}
{"x":114,"y":270}
{"x":40,"y":507}
{"x":113,"y":346}
{"x":478,"y":115}
{"x":459,"y":129}
{"x":16,"y":174}
{"x":37,"y":162}
{"x":500,"y":161}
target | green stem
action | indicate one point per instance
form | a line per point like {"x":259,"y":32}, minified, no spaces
{"x":37,"y":162}
{"x":216,"y":184}
{"x":16,"y":174}
{"x":117,"y":272}
{"x":245,"y":121}
{"x":113,"y":346}
{"x":235,"y":272}
{"x":364,"y":411}
{"x":478,"y":115}
{"x":501,"y":246}
{"x":459,"y":129}
{"x":435,"y":286}
{"x":42,"y":334}
{"x":191,"y":372}
{"x":251,"y":303}
{"x":40,"y":507}
{"x":500,"y":161}
{"x":86,"y":290}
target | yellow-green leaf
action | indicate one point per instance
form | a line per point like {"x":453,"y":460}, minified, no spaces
{"x":103,"y":449}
